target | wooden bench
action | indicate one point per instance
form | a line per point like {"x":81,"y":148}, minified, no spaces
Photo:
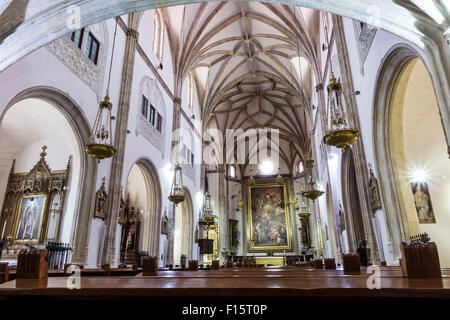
{"x":330,"y":263}
{"x":4,"y":272}
{"x":351,"y":263}
{"x":150,"y":266}
{"x":31,"y":264}
{"x":420,"y":260}
{"x":193,"y":265}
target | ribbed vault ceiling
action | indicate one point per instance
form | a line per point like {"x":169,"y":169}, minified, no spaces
{"x":247,"y":48}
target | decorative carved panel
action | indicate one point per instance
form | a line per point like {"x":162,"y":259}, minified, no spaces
{"x":34,"y":199}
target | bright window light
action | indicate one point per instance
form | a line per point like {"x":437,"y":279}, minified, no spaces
{"x":266,"y":167}
{"x":419,"y":175}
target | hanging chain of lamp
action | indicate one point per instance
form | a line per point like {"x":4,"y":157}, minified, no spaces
{"x":100,"y":144}
{"x":177,"y":190}
{"x":340,"y":130}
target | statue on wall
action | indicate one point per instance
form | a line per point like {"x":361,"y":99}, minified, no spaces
{"x":422,"y":202}
{"x":374,"y":192}
{"x":101,"y":202}
{"x":341,"y":218}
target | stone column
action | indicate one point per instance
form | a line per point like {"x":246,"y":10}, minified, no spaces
{"x":115,"y":179}
{"x":175,"y":157}
{"x":358,"y":147}
{"x":222,"y":214}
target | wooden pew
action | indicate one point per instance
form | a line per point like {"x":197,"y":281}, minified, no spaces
{"x":351,"y":263}
{"x":317,"y":264}
{"x":330,"y":263}
{"x":31,"y":264}
{"x":4,"y":272}
{"x":215,"y":265}
{"x":150,"y":266}
{"x":193,"y":265}
{"x":420,"y":260}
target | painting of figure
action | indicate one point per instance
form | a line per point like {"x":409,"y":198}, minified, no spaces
{"x":268,"y":218}
{"x":29,"y":219}
{"x":422,"y":202}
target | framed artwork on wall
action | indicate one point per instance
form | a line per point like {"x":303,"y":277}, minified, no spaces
{"x":268,"y":218}
{"x":30,"y":217}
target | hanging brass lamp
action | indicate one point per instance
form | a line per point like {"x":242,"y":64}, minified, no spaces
{"x":312,"y":192}
{"x":340,"y":131}
{"x":100,"y":144}
{"x":176,"y":191}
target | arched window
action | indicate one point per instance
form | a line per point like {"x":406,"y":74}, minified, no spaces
{"x":300,"y":168}
{"x":232,"y":172}
{"x":158,"y":35}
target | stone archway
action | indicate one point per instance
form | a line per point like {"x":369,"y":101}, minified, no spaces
{"x":151,"y":220}
{"x":351,"y":201}
{"x":79,"y":238}
{"x":183,"y":229}
{"x":403,"y":83}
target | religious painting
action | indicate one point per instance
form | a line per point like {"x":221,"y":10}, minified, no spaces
{"x":422,"y":202}
{"x":101,"y":202}
{"x":374,"y":193}
{"x":268,"y":218}
{"x":234,"y":233}
{"x":30,"y":217}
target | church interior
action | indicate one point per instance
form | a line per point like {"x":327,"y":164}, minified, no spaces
{"x":228,"y":149}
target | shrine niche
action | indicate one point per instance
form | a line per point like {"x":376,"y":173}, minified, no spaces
{"x":101,"y":202}
{"x":33,"y":205}
{"x":129,"y":243}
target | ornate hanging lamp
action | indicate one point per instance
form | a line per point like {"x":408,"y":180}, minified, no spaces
{"x":100,"y":144}
{"x":176,"y":191}
{"x":311,"y":191}
{"x":207,"y":216}
{"x":340,"y":131}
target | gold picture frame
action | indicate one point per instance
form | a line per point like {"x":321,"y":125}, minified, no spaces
{"x":31,"y":217}
{"x":269,"y":213}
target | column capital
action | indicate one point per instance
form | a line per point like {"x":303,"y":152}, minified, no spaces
{"x":177,"y":100}
{"x":130,"y":32}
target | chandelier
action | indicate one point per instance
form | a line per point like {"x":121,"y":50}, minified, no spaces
{"x":100,"y":144}
{"x":312,"y":192}
{"x":176,"y":191}
{"x":340,"y":131}
{"x":206,"y":215}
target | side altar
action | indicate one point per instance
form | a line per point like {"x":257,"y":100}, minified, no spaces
{"x":32,"y":209}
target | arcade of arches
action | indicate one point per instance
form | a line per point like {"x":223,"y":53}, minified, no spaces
{"x":205,"y":86}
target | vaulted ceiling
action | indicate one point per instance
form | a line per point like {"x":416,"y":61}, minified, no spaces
{"x":241,"y":55}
